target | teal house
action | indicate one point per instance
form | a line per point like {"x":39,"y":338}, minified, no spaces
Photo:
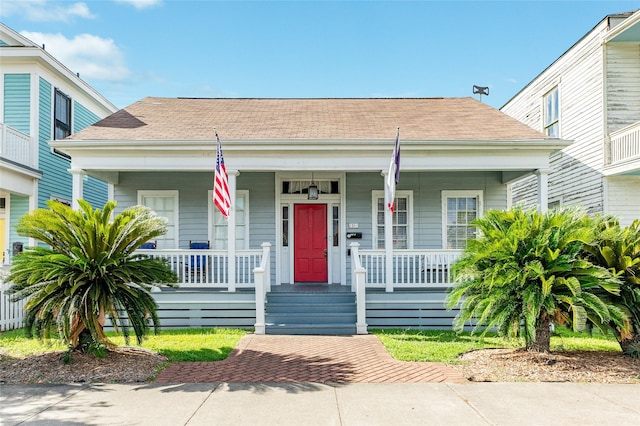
{"x":42,"y":100}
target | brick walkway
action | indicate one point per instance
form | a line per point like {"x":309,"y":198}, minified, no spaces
{"x":310,"y":359}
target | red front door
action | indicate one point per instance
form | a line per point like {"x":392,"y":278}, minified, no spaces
{"x":310,"y":243}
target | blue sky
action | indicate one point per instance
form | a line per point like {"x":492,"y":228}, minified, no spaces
{"x":129,"y":49}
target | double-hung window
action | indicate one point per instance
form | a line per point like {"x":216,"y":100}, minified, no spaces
{"x":551,"y":114}
{"x":402,"y":222}
{"x":459,"y":209}
{"x":219,"y":225}
{"x":165,"y":204}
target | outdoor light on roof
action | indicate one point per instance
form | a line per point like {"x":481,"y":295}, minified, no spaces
{"x":312,"y":194}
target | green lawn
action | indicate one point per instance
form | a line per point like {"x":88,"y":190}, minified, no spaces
{"x":214,"y":344}
{"x":445,"y":345}
{"x":197,"y":344}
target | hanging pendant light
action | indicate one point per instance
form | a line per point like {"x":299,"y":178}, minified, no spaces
{"x":312,"y":193}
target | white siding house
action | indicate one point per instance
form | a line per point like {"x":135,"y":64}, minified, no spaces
{"x":590,"y":95}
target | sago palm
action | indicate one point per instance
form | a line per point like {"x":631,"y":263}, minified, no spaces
{"x":618,"y":249}
{"x":525,"y":271}
{"x":88,"y":271}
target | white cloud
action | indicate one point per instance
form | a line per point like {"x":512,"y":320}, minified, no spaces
{"x":140,"y":4}
{"x":45,"y":11}
{"x":91,"y":56}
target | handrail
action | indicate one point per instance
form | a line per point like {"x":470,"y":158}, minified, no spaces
{"x":262,"y":280}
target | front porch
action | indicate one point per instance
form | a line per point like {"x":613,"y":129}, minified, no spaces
{"x":205,"y":297}
{"x":208,"y":269}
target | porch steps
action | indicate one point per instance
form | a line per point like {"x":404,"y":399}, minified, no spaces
{"x":311,"y":313}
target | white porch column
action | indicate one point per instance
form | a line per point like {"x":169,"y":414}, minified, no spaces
{"x":543,"y":190}
{"x":388,"y":237}
{"x":77,"y":190}
{"x":231,"y":230}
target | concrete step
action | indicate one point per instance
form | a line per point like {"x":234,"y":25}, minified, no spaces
{"x":311,"y":318}
{"x":311,"y":329}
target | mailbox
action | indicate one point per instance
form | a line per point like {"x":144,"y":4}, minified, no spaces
{"x":354,"y":235}
{"x":17,"y":248}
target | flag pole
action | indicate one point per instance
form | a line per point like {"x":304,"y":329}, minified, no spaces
{"x":391,"y":179}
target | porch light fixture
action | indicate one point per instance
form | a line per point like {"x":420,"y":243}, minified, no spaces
{"x":312,"y":194}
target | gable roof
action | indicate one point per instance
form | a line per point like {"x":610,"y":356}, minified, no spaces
{"x":315,"y":119}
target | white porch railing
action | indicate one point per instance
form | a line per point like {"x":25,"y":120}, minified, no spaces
{"x":625,"y":143}
{"x":411,"y":268}
{"x":16,"y":146}
{"x":263,"y":286}
{"x":209,"y":268}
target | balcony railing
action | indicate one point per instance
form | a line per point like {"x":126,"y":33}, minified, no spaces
{"x":16,"y":146}
{"x":625,"y":144}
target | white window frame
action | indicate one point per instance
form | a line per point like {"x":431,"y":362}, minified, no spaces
{"x":548,"y":123}
{"x":142,"y":193}
{"x":213,"y":210}
{"x":375,"y":195}
{"x":555,"y":202}
{"x":478,"y":194}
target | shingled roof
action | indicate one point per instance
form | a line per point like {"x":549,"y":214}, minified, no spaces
{"x":322,"y":119}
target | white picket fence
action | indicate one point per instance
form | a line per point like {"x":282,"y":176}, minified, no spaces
{"x":11,"y":313}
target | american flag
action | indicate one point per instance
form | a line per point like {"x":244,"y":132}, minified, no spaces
{"x":394,"y":174}
{"x":221,"y":196}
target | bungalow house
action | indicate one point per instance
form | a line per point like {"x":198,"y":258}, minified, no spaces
{"x":41,"y":100}
{"x":310,"y":246}
{"x":591,"y":95}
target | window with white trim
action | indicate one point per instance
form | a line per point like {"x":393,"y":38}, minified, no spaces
{"x":551,"y":115}
{"x":402,"y":220}
{"x":459,"y":209}
{"x":218,"y":225}
{"x":165,"y":204}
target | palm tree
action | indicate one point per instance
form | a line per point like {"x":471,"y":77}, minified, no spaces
{"x":525,"y":271}
{"x":618,"y":249}
{"x":88,"y":271}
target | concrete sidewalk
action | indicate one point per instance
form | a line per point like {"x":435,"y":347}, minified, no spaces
{"x":319,"y":404}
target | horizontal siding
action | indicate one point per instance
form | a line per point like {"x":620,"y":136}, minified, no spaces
{"x":624,"y":198}
{"x":427,"y":200}
{"x":193,"y":189}
{"x":623,"y":85}
{"x":575,"y":177}
{"x":56,"y":180}
{"x":17,"y":102}
{"x":19,"y":206}
{"x":82,"y":117}
{"x":194,"y":309}
{"x":95,"y":191}
{"x":409,"y":310}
